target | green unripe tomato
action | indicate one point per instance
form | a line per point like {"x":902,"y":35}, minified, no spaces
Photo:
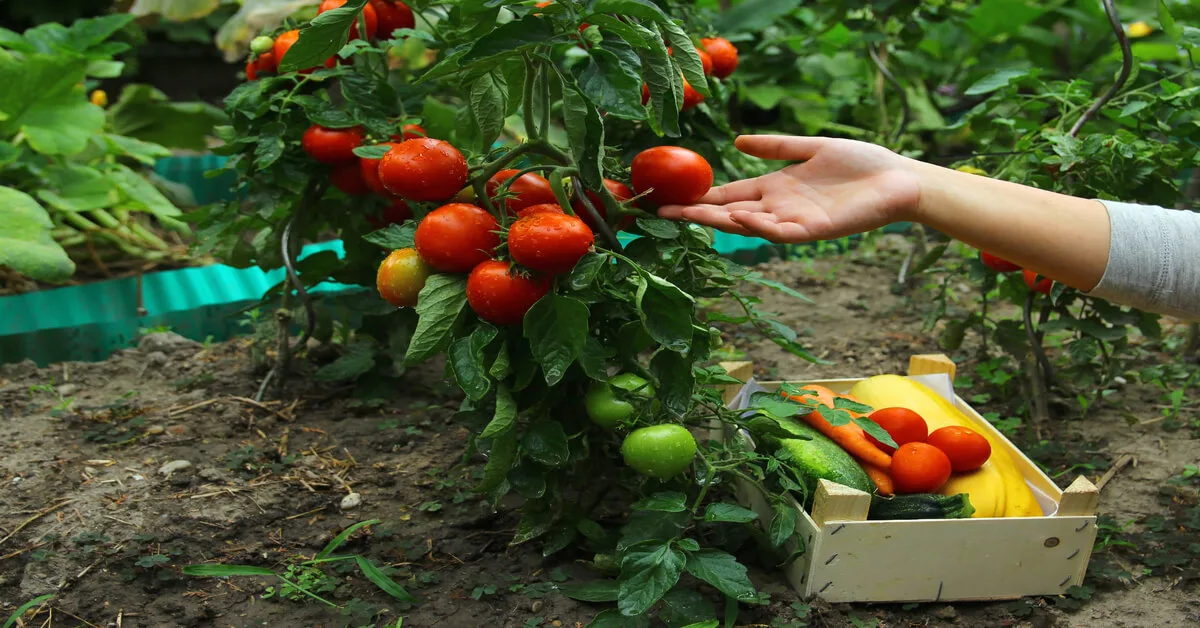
{"x":262,"y":44}
{"x":608,"y":410}
{"x":659,"y":451}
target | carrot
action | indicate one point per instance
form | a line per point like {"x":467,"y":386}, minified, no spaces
{"x":883,"y":481}
{"x":849,"y":436}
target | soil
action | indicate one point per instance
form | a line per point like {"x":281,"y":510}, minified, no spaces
{"x":117,"y":474}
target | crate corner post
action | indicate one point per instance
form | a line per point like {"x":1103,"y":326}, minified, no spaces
{"x":1080,"y":499}
{"x":837,"y":502}
{"x":932,"y":364}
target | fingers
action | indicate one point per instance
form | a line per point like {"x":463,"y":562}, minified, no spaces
{"x":785,"y":147}
{"x":743,"y":190}
{"x":707,"y":215}
{"x":769,"y":227}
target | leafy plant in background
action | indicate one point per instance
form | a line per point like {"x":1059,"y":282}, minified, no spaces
{"x":76,"y":186}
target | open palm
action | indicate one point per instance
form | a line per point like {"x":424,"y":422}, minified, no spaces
{"x":841,"y":187}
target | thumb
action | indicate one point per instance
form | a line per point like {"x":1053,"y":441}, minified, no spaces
{"x":784,"y":147}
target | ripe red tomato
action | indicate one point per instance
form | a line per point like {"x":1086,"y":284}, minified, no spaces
{"x":966,"y":449}
{"x":502,"y":297}
{"x":548,"y":242}
{"x":1042,"y":285}
{"x":392,"y":15}
{"x":998,"y":264}
{"x":455,"y":238}
{"x":619,"y":191}
{"x":395,"y":214}
{"x":370,"y":172}
{"x":348,"y":178}
{"x":543,"y":208}
{"x":368,"y":14}
{"x":691,"y":97}
{"x":410,"y":131}
{"x":332,"y":146}
{"x":902,"y":424}
{"x":705,"y":59}
{"x":284,"y":42}
{"x":724,"y":55}
{"x":423,"y":169}
{"x":919,"y":468}
{"x":401,"y":276}
{"x":677,"y":175}
{"x":265,"y":62}
{"x":530,"y":189}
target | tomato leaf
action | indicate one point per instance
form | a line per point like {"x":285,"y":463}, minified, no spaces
{"x":1167,"y":21}
{"x":612,"y":618}
{"x":505,"y":416}
{"x":685,"y":56}
{"x":512,"y":38}
{"x":875,"y":430}
{"x":851,"y":405}
{"x":684,"y":606}
{"x":358,"y":359}
{"x":724,"y":572}
{"x":642,"y":9}
{"x":594,"y":359}
{"x":586,"y":270}
{"x":534,"y":523}
{"x":753,"y":16}
{"x":439,"y":304}
{"x":651,"y":525}
{"x":489,"y":101}
{"x":676,"y":381}
{"x":612,"y":85}
{"x":546,"y":442}
{"x":466,"y":361}
{"x":646,"y":576}
{"x":585,"y":132}
{"x":671,"y":322}
{"x":722,"y":511}
{"x":775,"y":285}
{"x":394,"y":236}
{"x":594,"y":591}
{"x":671,"y":501}
{"x":528,"y":479}
{"x":557,"y":328}
{"x":502,"y":366}
{"x":322,"y":38}
{"x":665,"y":85}
{"x":500,"y":459}
{"x":783,"y":524}
{"x":659,"y":227}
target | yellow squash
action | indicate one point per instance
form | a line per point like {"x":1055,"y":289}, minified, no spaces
{"x":998,"y":484}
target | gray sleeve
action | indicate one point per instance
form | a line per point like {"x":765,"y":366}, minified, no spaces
{"x":1153,"y":260}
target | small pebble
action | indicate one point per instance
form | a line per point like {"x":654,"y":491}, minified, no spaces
{"x":536,"y":606}
{"x":1119,"y":381}
{"x":155,"y":429}
{"x":946,"y":612}
{"x":173,"y":466}
{"x":353,"y":500}
{"x":211,"y":474}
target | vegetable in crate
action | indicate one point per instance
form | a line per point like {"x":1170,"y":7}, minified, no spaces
{"x":848,"y":435}
{"x":819,"y":458}
{"x":921,"y":506}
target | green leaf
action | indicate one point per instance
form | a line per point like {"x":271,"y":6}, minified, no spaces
{"x":665,"y":86}
{"x":489,"y":101}
{"x":225,"y":571}
{"x":500,"y":459}
{"x":642,"y":9}
{"x":28,"y":606}
{"x":724,"y":572}
{"x":43,"y":98}
{"x":711,"y":623}
{"x":998,"y":17}
{"x":341,"y":538}
{"x":646,"y":576}
{"x":546,"y":442}
{"x":929,"y":259}
{"x":775,"y":285}
{"x":722,"y":511}
{"x":684,"y":54}
{"x":612,"y":85}
{"x":528,"y":479}
{"x":502,"y":366}
{"x":594,"y":359}
{"x":439,"y":305}
{"x":753,"y":16}
{"x":394,"y":236}
{"x":995,"y":81}
{"x":71,"y":187}
{"x":144,"y":194}
{"x":145,"y":152}
{"x":26,"y":245}
{"x":586,"y":270}
{"x":585,"y":133}
{"x":783,"y":524}
{"x":381,"y":580}
{"x":676,"y":381}
{"x":670,"y":501}
{"x":146,"y":113}
{"x":874,"y":430}
{"x":467,"y":361}
{"x":612,"y":618}
{"x":511,"y":38}
{"x":666,"y":312}
{"x":594,"y":591}
{"x":1169,"y":26}
{"x":684,"y":606}
{"x":659,"y":227}
{"x":358,"y":359}
{"x":506,"y":413}
{"x":322,"y":38}
{"x":557,"y":328}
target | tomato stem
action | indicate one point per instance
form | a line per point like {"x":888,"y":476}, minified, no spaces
{"x":556,"y":186}
{"x":531,"y":76}
{"x":600,"y":222}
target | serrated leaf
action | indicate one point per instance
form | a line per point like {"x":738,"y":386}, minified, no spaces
{"x":643,"y":9}
{"x":684,"y":54}
{"x":646,"y":576}
{"x":724,"y":572}
{"x":594,"y":359}
{"x":511,"y":38}
{"x":439,"y":305}
{"x":322,"y":38}
{"x":783,"y":524}
{"x":659,"y":227}
{"x":500,"y":460}
{"x":594,"y":591}
{"x":612,"y":85}
{"x":722,"y":511}
{"x":546,"y":442}
{"x":874,"y":429}
{"x":676,"y":381}
{"x":585,"y":132}
{"x":489,"y":102}
{"x":466,"y":361}
{"x":586,"y":270}
{"x":669,"y":501}
{"x":26,"y":245}
{"x":666,"y":312}
{"x":664,"y":84}
{"x":393,"y":236}
{"x":557,"y":328}
{"x":995,"y":81}
{"x":505,"y":416}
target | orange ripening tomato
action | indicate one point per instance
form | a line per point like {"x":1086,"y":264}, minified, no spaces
{"x":966,"y":449}
{"x":500,"y":296}
{"x":457,"y":237}
{"x":401,"y":276}
{"x":1042,"y":285}
{"x":902,"y":424}
{"x":998,"y":264}
{"x":724,"y":55}
{"x":368,"y":14}
{"x":285,"y":41}
{"x":919,"y":468}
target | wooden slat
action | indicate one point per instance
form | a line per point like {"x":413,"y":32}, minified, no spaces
{"x":1079,"y":500}
{"x":837,"y":502}
{"x":932,"y":364}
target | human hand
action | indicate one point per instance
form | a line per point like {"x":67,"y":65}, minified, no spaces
{"x":842,"y":187}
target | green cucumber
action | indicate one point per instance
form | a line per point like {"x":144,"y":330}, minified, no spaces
{"x":921,"y":506}
{"x":820,"y":458}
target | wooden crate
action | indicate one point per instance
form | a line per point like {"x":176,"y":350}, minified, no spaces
{"x":847,"y":558}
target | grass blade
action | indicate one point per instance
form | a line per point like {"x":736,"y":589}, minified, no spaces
{"x":26,"y":607}
{"x":226,"y":570}
{"x":381,"y":580}
{"x":340,"y":539}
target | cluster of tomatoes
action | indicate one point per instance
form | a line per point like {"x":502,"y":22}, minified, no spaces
{"x":924,"y":460}
{"x":718,"y":56}
{"x":1036,"y":282}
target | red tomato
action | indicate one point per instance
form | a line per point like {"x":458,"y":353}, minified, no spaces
{"x":691,"y":97}
{"x":1042,"y":285}
{"x":265,"y":62}
{"x":410,"y":131}
{"x":543,"y":208}
{"x":530,"y":189}
{"x":368,"y":14}
{"x":370,"y":172}
{"x":724,"y":55}
{"x":332,"y":146}
{"x":705,"y":59}
{"x":423,"y":169}
{"x":392,"y":15}
{"x":902,"y":424}
{"x":677,"y":175}
{"x":284,"y":42}
{"x":499,"y":296}
{"x":998,"y":264}
{"x":401,"y":276}
{"x":395,"y":214}
{"x":966,"y":449}
{"x":455,"y":238}
{"x":919,"y":468}
{"x":619,"y":191}
{"x":348,"y":178}
{"x":548,"y":242}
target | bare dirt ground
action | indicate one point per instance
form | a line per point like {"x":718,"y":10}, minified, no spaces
{"x":115,"y":475}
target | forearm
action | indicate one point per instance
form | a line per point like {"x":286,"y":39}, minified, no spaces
{"x":1058,"y":236}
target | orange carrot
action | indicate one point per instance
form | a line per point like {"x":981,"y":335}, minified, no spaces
{"x":883,"y":481}
{"x":849,"y":436}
